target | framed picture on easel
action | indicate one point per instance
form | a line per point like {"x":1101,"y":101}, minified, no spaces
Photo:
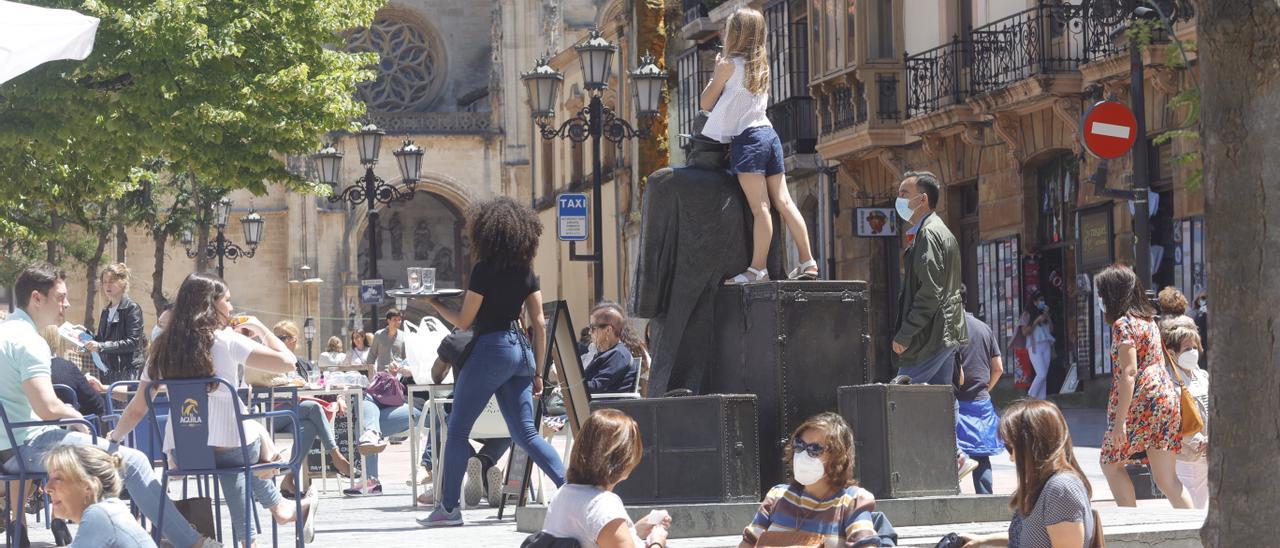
{"x":562,"y":352}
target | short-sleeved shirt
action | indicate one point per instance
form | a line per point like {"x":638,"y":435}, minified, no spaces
{"x":1064,"y":498}
{"x":975,"y":359}
{"x":581,"y":511}
{"x":790,"y":517}
{"x":24,"y":355}
{"x":386,"y":349}
{"x":108,"y":524}
{"x":230,"y":349}
{"x":504,"y":291}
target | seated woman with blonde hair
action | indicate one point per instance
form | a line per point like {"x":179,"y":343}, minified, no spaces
{"x":84,"y":486}
{"x":586,"y":509}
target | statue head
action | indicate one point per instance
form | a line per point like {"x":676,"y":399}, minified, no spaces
{"x":702,"y":151}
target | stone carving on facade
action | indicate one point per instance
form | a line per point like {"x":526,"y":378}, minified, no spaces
{"x":434,"y":122}
{"x":395,"y":230}
{"x":892,"y":161}
{"x":973,"y":135}
{"x":1165,"y":80}
{"x":934,"y":145}
{"x":443,"y":263}
{"x":1067,"y":109}
{"x":411,"y":64}
{"x":422,"y":243}
{"x":1009,"y":128}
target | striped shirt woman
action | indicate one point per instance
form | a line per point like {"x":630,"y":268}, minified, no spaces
{"x":789,"y":517}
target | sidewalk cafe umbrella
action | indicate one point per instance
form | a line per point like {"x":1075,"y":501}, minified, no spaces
{"x":31,"y":35}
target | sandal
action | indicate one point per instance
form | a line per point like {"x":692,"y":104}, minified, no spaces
{"x":750,"y":276}
{"x":803,"y":271}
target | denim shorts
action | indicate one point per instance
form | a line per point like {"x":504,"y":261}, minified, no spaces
{"x":756,"y":150}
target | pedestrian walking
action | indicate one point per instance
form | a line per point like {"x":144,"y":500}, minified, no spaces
{"x":977,"y":423}
{"x":505,"y":236}
{"x":931,"y":322}
{"x":1051,"y":506}
{"x":119,"y":339}
{"x":1182,"y":342}
{"x":1036,"y":330}
{"x":1143,"y":412}
{"x":737,"y":97}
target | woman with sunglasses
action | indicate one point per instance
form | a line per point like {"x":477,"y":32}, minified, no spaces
{"x":822,"y":506}
{"x":1051,"y":504}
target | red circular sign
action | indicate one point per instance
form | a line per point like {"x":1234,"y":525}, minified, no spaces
{"x":1109,"y":129}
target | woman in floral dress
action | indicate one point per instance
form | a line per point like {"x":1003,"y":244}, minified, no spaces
{"x":1144,"y":413}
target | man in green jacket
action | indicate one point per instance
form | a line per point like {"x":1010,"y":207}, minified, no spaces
{"x":931,"y":324}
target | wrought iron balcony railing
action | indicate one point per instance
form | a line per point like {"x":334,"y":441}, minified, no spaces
{"x":796,"y":122}
{"x":936,"y":78}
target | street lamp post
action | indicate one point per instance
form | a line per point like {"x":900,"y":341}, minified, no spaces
{"x":309,"y":333}
{"x":370,"y":189}
{"x":222,"y":247}
{"x":594,"y":122}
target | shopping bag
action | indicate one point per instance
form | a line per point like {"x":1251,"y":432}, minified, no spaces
{"x":421,"y":344}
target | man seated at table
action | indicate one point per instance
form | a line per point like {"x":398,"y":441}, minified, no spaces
{"x":27,"y":395}
{"x":612,"y":369}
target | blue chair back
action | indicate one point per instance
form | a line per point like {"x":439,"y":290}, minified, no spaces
{"x":67,"y":395}
{"x":188,"y":407}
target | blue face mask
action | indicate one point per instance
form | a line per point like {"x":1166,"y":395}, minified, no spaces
{"x":903,"y":205}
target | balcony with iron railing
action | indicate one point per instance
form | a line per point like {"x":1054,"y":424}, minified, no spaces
{"x":796,"y":122}
{"x":695,"y":25}
{"x":1049,"y":39}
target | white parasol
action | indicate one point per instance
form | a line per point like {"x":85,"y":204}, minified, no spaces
{"x":31,"y":35}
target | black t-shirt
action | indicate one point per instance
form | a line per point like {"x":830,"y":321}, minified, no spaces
{"x":504,"y":291}
{"x":975,"y":359}
{"x":89,"y":402}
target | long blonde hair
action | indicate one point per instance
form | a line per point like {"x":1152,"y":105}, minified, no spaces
{"x":745,"y":38}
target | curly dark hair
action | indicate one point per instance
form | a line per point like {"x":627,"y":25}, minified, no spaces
{"x":504,"y":232}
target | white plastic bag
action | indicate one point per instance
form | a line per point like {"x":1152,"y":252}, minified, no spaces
{"x":422,"y":345}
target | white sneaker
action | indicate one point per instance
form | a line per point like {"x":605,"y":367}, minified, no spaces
{"x":371,"y":443}
{"x":494,"y":476}
{"x":473,"y":485}
{"x":965,"y":466}
{"x":210,"y":543}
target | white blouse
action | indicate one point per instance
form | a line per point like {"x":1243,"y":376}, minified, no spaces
{"x":737,"y":109}
{"x":230,"y":349}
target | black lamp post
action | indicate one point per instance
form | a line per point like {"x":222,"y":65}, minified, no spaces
{"x":595,"y":121}
{"x":222,"y":247}
{"x":371,"y":189}
{"x":309,"y":333}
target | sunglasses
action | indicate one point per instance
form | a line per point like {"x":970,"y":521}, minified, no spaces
{"x":813,"y":449}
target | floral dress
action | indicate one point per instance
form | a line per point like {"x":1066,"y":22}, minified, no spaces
{"x":1155,"y":416}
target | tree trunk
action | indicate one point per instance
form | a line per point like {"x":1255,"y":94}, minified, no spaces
{"x":202,"y":208}
{"x":1240,"y":61}
{"x":91,"y":276}
{"x":51,"y":246}
{"x":158,"y":300}
{"x":122,"y":242}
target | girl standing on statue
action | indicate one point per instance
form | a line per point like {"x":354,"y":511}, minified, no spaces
{"x":737,"y":97}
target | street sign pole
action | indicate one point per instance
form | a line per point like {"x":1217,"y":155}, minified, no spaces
{"x":1141,"y":177}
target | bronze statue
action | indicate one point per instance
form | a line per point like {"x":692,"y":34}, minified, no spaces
{"x":695,"y":233}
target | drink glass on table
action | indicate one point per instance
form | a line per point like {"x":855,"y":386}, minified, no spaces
{"x":428,"y":276}
{"x":415,"y":278}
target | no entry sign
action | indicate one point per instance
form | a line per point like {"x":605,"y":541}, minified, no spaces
{"x":1109,"y":129}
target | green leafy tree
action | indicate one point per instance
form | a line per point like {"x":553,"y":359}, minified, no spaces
{"x":220,"y":89}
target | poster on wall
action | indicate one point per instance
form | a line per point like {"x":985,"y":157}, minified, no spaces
{"x":875,"y":222}
{"x":371,"y":292}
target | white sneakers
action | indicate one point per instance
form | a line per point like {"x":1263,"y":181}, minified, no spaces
{"x":371,"y":443}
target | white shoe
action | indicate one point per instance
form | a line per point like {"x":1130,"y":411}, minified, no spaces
{"x":371,"y":443}
{"x":494,"y":476}
{"x":473,"y":485}
{"x":802,"y":272}
{"x":210,"y":543}
{"x":750,"y":276}
{"x":965,"y":466}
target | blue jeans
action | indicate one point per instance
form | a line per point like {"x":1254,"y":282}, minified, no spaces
{"x":501,"y":364}
{"x":139,"y":478}
{"x":982,"y":476}
{"x":936,"y":369}
{"x":233,"y":487}
{"x":386,"y":421}
{"x":312,"y":425}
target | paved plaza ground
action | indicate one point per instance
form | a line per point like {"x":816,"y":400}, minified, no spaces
{"x":388,"y":520}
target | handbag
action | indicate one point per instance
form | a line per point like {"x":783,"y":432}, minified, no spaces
{"x":455,"y":348}
{"x":198,"y":511}
{"x":1192,"y":421}
{"x":1099,"y":541}
{"x":385,"y":390}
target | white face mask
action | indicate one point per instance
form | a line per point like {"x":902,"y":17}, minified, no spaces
{"x":903,"y":206}
{"x":1189,"y":360}
{"x":805,"y":469}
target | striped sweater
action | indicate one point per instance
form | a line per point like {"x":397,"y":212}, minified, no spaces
{"x":789,"y":517}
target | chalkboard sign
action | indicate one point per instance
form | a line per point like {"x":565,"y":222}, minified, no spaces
{"x":1097,"y":238}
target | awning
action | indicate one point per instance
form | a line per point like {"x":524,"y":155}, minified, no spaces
{"x":31,"y":35}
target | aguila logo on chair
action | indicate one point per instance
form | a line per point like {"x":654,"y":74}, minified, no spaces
{"x":190,"y":412}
